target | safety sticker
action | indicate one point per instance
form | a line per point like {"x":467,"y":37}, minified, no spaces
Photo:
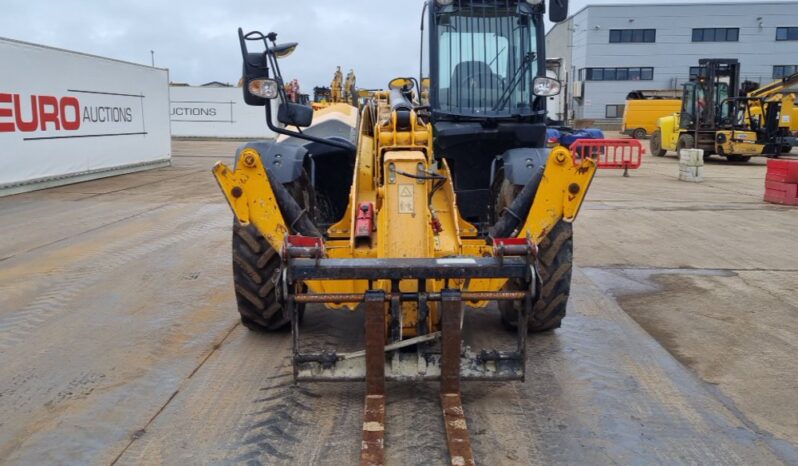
{"x":406,"y":204}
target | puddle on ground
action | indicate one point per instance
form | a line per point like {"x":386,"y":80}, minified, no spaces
{"x":623,"y":281}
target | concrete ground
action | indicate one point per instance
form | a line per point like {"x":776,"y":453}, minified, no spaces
{"x":120,"y":344}
{"x":709,"y":270}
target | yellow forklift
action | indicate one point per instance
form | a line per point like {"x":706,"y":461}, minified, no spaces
{"x":719,"y":118}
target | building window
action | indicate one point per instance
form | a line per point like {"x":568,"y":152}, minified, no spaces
{"x":716,"y":35}
{"x":632,"y":35}
{"x":787,"y":33}
{"x":613,"y":111}
{"x":618,"y":74}
{"x":783,"y":71}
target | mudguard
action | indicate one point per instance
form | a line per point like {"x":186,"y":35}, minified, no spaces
{"x":286,"y":157}
{"x":521,"y":164}
{"x":283,"y":159}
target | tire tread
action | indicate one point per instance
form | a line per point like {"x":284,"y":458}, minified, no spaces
{"x":555,"y":265}
{"x":255,"y":264}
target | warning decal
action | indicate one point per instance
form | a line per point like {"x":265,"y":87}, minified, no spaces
{"x":406,"y":204}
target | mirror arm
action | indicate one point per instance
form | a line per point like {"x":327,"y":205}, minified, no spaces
{"x":307,"y":137}
{"x":278,"y":75}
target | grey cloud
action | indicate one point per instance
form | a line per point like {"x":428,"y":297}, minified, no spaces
{"x":197,"y":40}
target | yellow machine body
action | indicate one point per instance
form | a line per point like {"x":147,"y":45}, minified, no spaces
{"x":413,"y":217}
{"x":738,"y":143}
{"x":669,"y":131}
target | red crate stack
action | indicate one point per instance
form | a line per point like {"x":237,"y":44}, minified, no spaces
{"x":781,"y":182}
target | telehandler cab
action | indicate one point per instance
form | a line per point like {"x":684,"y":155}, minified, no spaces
{"x":412,"y":209}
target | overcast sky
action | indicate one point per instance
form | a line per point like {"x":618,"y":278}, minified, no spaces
{"x":197,"y":39}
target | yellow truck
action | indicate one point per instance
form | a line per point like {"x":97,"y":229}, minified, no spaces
{"x":644,"y":108}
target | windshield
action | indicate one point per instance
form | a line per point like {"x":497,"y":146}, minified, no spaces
{"x":696,"y":103}
{"x":486,"y":61}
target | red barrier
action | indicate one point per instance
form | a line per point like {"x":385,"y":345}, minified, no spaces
{"x":781,"y":182}
{"x":609,"y":153}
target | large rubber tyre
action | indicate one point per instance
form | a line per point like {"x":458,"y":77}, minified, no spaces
{"x":656,"y":144}
{"x":738,"y":158}
{"x":256,"y":271}
{"x":686,"y":141}
{"x":555,"y":263}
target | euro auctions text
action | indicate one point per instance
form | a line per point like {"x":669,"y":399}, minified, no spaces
{"x":47,"y":113}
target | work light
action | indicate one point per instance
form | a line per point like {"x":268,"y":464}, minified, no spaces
{"x":266,"y":88}
{"x":545,"y":87}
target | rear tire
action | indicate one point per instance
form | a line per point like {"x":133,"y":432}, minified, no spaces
{"x":738,"y":158}
{"x":655,"y":144}
{"x":639,"y":133}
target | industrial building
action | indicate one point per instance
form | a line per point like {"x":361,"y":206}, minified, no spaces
{"x":606,"y":51}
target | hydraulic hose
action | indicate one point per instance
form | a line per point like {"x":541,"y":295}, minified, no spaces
{"x":296,"y":217}
{"x":518,"y":210}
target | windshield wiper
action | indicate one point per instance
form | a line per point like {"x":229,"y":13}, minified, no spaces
{"x":516,"y":79}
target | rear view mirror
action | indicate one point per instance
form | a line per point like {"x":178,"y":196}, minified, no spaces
{"x":255,"y":68}
{"x":558,"y":10}
{"x":292,"y":114}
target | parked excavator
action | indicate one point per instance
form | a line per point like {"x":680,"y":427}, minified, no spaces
{"x":406,"y":211}
{"x":718,"y":117}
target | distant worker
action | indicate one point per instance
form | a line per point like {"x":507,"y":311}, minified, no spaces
{"x":292,"y":91}
{"x":337,"y":84}
{"x":424,"y":97}
{"x":349,"y":86}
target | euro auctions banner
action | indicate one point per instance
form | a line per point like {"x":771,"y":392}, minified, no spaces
{"x":216,"y":112}
{"x":65,"y":115}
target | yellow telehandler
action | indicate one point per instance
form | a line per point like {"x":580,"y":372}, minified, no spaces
{"x":412,"y":210}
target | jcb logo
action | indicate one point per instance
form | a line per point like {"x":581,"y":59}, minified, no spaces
{"x":44,"y":113}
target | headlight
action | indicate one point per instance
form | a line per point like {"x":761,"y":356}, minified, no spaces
{"x":545,"y":87}
{"x":266,"y":88}
{"x":444,"y":2}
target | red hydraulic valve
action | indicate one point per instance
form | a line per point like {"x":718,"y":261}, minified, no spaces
{"x":364,"y":224}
